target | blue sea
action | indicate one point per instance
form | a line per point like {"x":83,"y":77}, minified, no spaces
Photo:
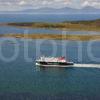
{"x":20,"y":79}
{"x":46,"y":17}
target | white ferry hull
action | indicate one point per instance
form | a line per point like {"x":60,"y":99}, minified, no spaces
{"x":43,"y":65}
{"x":53,"y":62}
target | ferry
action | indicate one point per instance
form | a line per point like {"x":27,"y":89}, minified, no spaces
{"x":53,"y":62}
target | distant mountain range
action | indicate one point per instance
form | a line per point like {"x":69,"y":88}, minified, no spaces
{"x":65,"y":10}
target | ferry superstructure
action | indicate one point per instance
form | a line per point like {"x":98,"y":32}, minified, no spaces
{"x":53,"y":62}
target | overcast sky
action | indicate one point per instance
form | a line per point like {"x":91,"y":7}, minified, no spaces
{"x":17,"y":5}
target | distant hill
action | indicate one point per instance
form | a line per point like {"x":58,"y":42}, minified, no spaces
{"x":65,"y":10}
{"x":50,"y":10}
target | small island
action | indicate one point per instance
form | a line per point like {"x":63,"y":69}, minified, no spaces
{"x":92,"y":25}
{"x":89,"y":25}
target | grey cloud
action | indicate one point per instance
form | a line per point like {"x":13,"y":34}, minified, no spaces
{"x":35,"y":4}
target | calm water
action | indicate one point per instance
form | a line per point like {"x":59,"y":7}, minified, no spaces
{"x":20,"y":79}
{"x":7,"y":30}
{"x":46,"y":17}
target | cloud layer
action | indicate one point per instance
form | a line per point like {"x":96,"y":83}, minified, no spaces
{"x":17,"y":5}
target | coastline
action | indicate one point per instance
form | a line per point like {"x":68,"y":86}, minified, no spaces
{"x":53,"y":36}
{"x":90,"y":25}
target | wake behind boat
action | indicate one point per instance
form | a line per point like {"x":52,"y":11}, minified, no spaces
{"x":53,"y":62}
